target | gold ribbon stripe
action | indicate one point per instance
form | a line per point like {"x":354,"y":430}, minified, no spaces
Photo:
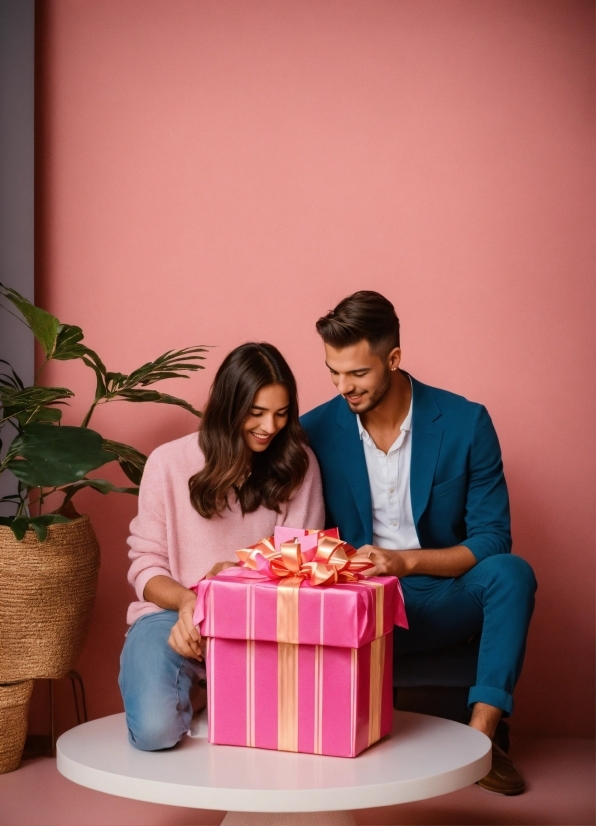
{"x":318,"y":739}
{"x":288,"y":592}
{"x":377,"y":667}
{"x":287,"y":696}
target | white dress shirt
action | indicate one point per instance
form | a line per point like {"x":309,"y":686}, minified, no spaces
{"x":389,"y":479}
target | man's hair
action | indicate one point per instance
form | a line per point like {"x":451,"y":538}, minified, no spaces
{"x":365,"y":315}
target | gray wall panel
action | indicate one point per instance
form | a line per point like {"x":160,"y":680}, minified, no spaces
{"x":17,"y":42}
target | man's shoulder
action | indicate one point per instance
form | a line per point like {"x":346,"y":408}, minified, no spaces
{"x":322,"y":415}
{"x":447,"y":401}
{"x":321,"y":420}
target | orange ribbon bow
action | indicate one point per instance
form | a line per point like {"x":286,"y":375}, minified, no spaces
{"x":316,"y":557}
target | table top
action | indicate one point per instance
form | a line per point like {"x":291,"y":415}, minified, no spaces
{"x":423,"y":757}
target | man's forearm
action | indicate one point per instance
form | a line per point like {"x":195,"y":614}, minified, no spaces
{"x":448,"y":562}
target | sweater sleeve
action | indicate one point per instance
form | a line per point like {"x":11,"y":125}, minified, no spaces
{"x":148,"y":541}
{"x":306,"y":509}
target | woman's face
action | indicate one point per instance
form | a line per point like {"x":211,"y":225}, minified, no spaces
{"x":268,"y":415}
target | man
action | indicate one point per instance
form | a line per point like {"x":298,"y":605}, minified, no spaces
{"x":413,"y":477}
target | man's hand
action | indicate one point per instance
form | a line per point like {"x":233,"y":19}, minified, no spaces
{"x":387,"y":563}
{"x":184,"y":637}
{"x":218,"y":567}
{"x":448,"y":562}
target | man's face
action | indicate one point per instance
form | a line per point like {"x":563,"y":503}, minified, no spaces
{"x":363,"y":378}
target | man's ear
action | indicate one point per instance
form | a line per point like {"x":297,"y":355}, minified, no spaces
{"x":394,"y":358}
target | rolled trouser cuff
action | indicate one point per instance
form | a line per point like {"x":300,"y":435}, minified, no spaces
{"x":492,"y":697}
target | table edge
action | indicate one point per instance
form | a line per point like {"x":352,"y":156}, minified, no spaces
{"x":292,"y":800}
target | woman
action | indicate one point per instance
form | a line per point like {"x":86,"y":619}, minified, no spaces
{"x":200,"y":500}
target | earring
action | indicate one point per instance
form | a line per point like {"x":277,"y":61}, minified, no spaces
{"x":393,"y":369}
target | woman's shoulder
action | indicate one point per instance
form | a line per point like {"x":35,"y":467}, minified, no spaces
{"x":313,"y":465}
{"x":183,"y":453}
{"x":313,"y":472}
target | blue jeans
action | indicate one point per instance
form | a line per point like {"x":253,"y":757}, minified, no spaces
{"x":495,"y":599}
{"x":155,"y":683}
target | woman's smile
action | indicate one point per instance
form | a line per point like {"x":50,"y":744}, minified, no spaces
{"x":262,"y":438}
{"x":269,"y":409}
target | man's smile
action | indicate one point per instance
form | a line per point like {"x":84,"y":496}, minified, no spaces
{"x":354,"y":398}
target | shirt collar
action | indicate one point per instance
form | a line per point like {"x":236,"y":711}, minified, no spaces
{"x":405,"y":425}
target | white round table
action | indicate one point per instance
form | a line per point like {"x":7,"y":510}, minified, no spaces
{"x":423,"y":757}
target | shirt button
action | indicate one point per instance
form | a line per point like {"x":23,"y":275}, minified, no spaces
{"x":391,"y":490}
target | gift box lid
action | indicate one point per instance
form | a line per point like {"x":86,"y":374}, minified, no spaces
{"x":242,"y":604}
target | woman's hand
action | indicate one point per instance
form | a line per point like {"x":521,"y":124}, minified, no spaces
{"x":219,"y":566}
{"x":169,"y":594}
{"x":184,"y":637}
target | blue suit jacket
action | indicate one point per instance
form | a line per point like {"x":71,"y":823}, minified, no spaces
{"x":458,"y":490}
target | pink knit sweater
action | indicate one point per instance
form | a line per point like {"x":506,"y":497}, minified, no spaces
{"x":168,"y":537}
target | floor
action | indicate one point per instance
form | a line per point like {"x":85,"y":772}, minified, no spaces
{"x":559,"y":774}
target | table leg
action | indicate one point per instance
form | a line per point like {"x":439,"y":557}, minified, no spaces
{"x":288,"y":819}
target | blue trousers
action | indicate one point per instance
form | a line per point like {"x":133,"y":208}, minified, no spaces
{"x":155,"y":683}
{"x":494,"y":599}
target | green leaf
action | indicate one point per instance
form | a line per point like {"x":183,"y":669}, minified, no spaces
{"x":49,"y":456}
{"x":21,"y":524}
{"x":31,"y":403}
{"x":10,"y":380}
{"x":43,"y":325}
{"x":102,"y":485}
{"x":173,"y":364}
{"x":40,"y":529}
{"x":68,"y":347}
{"x":115,"y":380}
{"x":154,"y":396}
{"x":131,"y":461}
{"x":100,"y":377}
{"x":18,"y":525}
{"x":168,"y":365}
{"x":46,"y":414}
{"x":66,"y":342}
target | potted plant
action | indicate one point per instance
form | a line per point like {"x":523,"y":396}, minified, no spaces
{"x":49,"y":561}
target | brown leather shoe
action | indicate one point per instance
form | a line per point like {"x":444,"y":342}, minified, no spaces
{"x":504,"y":776}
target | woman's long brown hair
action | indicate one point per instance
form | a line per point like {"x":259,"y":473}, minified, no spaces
{"x":276,"y":473}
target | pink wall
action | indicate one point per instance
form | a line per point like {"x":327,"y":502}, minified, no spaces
{"x":213,"y":171}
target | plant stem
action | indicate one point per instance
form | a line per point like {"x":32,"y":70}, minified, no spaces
{"x":21,"y":507}
{"x":39,"y":372}
{"x":90,"y":412}
{"x":3,"y":464}
{"x":40,"y":499}
{"x":32,"y":416}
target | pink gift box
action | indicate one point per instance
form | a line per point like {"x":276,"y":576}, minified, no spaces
{"x":304,"y":669}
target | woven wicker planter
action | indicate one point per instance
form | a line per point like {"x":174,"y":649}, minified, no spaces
{"x":14,"y":703}
{"x":47,"y":590}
